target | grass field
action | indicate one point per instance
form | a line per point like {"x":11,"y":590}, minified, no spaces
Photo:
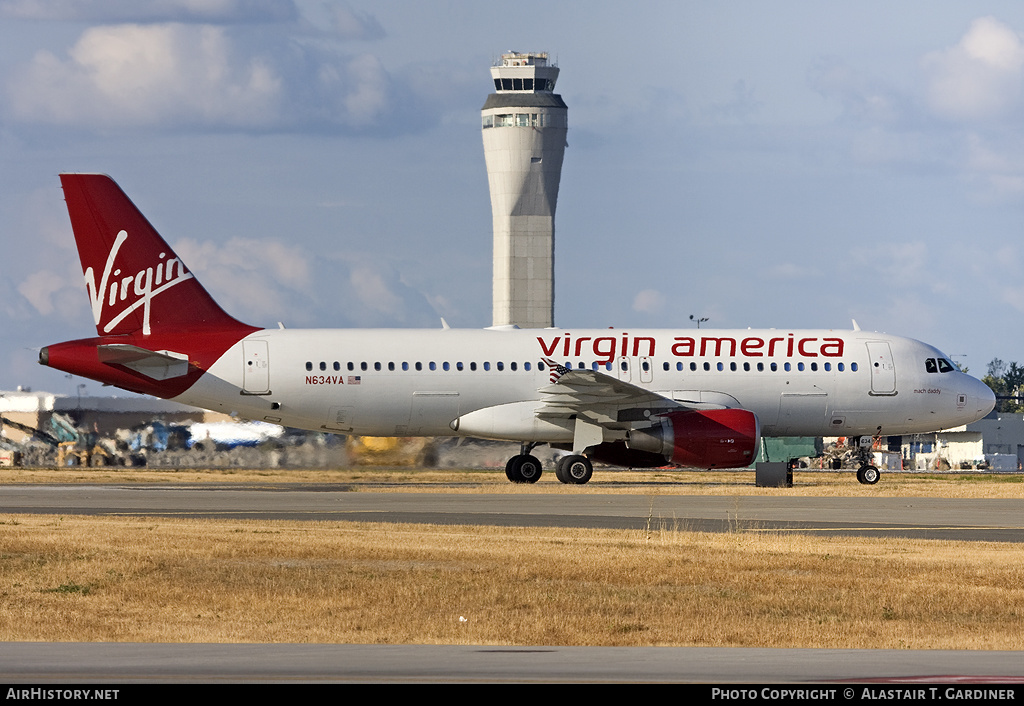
{"x":173,"y":580}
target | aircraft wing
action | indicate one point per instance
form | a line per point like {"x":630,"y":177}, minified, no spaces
{"x":692,"y":427}
{"x":601,"y":398}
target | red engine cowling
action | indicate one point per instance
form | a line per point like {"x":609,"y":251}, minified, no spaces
{"x":712,"y":438}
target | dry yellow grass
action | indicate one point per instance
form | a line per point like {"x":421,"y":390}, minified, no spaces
{"x":170,"y":580}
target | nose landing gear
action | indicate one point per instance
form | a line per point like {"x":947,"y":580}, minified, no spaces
{"x":868,"y":475}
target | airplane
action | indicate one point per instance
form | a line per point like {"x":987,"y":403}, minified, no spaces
{"x":639,"y":398}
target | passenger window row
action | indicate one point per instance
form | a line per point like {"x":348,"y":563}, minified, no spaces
{"x":419,"y":366}
{"x":761,"y":367}
{"x":645,"y":366}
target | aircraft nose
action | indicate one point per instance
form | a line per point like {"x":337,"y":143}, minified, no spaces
{"x":983,"y":397}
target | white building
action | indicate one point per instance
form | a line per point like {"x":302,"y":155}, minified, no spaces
{"x":102,"y":414}
{"x":524,"y":132}
{"x":998,"y":440}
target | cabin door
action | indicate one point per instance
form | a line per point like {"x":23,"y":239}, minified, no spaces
{"x":256,"y":368}
{"x":883,"y":371}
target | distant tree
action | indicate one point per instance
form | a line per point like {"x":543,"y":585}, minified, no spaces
{"x":1014,"y":378}
{"x":1006,"y":381}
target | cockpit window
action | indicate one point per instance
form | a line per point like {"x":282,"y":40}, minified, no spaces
{"x":940,"y":365}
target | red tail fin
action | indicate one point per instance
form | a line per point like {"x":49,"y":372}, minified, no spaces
{"x":136,"y":283}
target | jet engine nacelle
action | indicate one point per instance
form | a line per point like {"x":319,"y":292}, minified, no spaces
{"x":711,"y":438}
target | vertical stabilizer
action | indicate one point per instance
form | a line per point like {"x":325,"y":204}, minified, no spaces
{"x":135,"y":282}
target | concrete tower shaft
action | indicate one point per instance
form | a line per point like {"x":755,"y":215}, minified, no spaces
{"x":524,"y":133}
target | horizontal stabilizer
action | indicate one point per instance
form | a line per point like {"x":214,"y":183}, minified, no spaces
{"x":158,"y":365}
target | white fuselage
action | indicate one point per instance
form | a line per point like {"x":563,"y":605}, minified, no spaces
{"x":399,"y":382}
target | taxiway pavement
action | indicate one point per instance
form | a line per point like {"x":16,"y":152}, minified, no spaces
{"x":125,"y":663}
{"x":924,"y":518}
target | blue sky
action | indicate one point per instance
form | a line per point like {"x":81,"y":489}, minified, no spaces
{"x":788,"y":165}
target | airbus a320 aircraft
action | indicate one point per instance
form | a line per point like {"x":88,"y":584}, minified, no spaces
{"x":640,"y":398}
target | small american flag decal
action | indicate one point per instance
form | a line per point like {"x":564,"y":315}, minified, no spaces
{"x":557,"y":371}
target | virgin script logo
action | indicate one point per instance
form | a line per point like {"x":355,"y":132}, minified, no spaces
{"x":115,"y":288}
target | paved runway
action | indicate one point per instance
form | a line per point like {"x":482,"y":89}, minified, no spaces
{"x":206,"y":663}
{"x":928,"y":518}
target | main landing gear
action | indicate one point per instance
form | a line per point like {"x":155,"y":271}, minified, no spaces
{"x":525,"y":468}
{"x":574,"y":470}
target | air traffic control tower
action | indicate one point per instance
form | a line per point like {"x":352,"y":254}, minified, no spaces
{"x":524,"y":129}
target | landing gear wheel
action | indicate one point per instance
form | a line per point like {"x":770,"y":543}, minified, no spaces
{"x":574,"y":470}
{"x":511,"y":472}
{"x":868,"y":475}
{"x":530,"y":469}
{"x":523,"y":468}
{"x":560,"y":470}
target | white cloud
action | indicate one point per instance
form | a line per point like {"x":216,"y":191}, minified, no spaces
{"x":980,"y":78}
{"x":374,"y":291}
{"x":998,"y":167}
{"x":911,"y":306}
{"x":982,"y":158}
{"x":649,"y":301}
{"x":353,"y":24}
{"x":791,"y":270}
{"x":39,"y":288}
{"x":53,"y":284}
{"x":1008,"y":187}
{"x":375,"y":294}
{"x":899,"y":262}
{"x":1013,"y":296}
{"x":740,"y":107}
{"x":863,"y":97}
{"x":151,"y":10}
{"x":130,"y":75}
{"x":255,"y":280}
{"x":197,"y":76}
{"x":263,"y":281}
{"x":368,"y":96}
{"x":908,"y":266}
{"x":54,"y":294}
